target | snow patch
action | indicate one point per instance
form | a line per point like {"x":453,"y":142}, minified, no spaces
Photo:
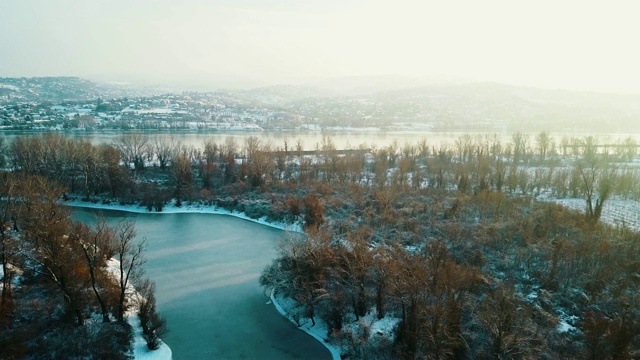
{"x":384,"y":326}
{"x":564,"y":327}
{"x":140,"y":349}
{"x":565,"y":321}
{"x":9,"y":87}
{"x":377,"y":329}
{"x":139,"y":346}
{"x":286,"y":307}
{"x":616,"y":212}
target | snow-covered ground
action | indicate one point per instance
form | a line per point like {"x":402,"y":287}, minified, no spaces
{"x":139,"y":346}
{"x":565,"y":321}
{"x":377,"y":329}
{"x":615,"y":212}
{"x":140,"y":349}
{"x":286,"y":307}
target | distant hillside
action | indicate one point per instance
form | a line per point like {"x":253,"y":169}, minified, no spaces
{"x":282,"y":94}
{"x":522,"y":108}
{"x":368,"y":85}
{"x":60,"y":89}
{"x":493,"y":107}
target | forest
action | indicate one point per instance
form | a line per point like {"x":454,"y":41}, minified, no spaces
{"x":66,"y":286}
{"x":452,"y":240}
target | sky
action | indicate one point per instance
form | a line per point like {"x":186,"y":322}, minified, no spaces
{"x":587,"y":45}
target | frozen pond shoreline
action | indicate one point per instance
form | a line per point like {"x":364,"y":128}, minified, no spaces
{"x":206,"y":270}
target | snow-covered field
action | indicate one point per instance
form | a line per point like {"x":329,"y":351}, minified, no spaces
{"x":615,"y":212}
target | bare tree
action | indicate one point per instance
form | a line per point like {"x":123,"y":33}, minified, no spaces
{"x":182,"y":176}
{"x":544,"y":143}
{"x":96,"y":245}
{"x":130,"y":254}
{"x":464,"y":147}
{"x":228,"y":152}
{"x":508,"y":323}
{"x":164,"y":150}
{"x":53,"y":253}
{"x":4,"y":152}
{"x":499,"y":173}
{"x":86,"y":166}
{"x":259,"y":166}
{"x":630,"y":148}
{"x":153,"y":325}
{"x":313,"y":213}
{"x":355,"y":260}
{"x":520,"y":143}
{"x":330,"y":158}
{"x":589,"y":147}
{"x":422,"y":148}
{"x":208,"y":163}
{"x":134,"y":148}
{"x":383,"y":267}
{"x":8,"y":243}
{"x":597,"y":185}
{"x":112,"y":177}
{"x":495,"y":145}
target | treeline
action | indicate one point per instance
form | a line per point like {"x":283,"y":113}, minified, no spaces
{"x":449,"y":239}
{"x":56,"y":278}
{"x":151,"y":171}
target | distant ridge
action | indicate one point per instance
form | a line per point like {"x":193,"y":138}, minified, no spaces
{"x":58,"y":89}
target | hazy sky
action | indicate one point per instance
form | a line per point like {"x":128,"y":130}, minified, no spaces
{"x":568,"y":44}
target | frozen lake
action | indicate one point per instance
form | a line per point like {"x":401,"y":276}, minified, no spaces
{"x":206,"y":268}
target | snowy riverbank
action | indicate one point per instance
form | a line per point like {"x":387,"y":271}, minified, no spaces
{"x":185,"y":209}
{"x":319,"y":331}
{"x":368,"y":328}
{"x":139,"y":346}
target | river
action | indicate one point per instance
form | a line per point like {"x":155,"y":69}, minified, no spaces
{"x":310,"y":140}
{"x":206,"y":269}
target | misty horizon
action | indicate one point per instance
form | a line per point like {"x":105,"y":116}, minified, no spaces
{"x":564,"y":45}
